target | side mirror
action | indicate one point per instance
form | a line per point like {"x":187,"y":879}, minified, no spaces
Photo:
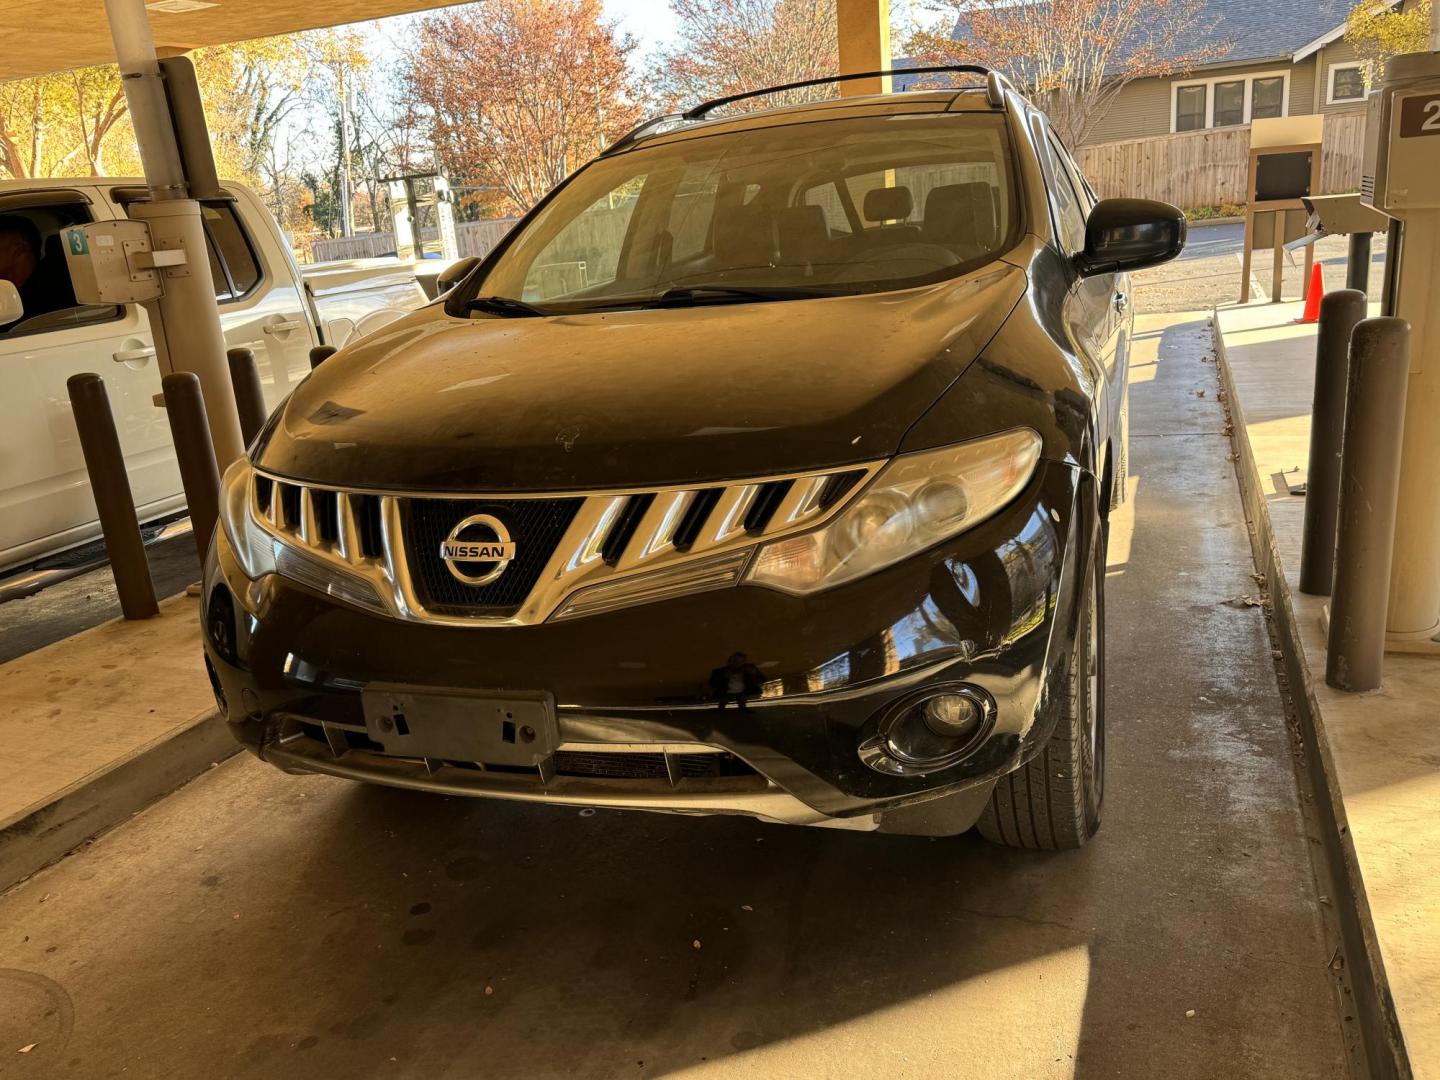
{"x":1130,"y":234}
{"x":448,"y":278}
{"x":11,"y":309}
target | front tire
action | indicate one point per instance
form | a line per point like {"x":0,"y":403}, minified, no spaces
{"x":1053,"y":802}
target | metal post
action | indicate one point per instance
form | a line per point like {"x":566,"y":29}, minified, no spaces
{"x":189,"y":427}
{"x":1339,"y":312}
{"x":185,"y":320}
{"x":1357,"y":268}
{"x":320,"y":353}
{"x":249,"y":394}
{"x":105,"y":463}
{"x":1369,"y":491}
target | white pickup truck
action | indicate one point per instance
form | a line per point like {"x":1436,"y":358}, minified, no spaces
{"x":267,"y":303}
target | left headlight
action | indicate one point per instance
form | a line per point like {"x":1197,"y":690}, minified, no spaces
{"x":253,"y":547}
{"x":915,"y":502}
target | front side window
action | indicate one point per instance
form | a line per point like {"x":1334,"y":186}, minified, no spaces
{"x":1069,"y":205}
{"x":32,"y":258}
{"x":846,"y":206}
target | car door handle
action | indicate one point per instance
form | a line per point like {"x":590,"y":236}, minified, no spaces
{"x":1121,"y":302}
{"x":282,"y":327}
{"x":130,"y":356}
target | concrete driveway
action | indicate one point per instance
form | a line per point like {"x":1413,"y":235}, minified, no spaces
{"x":259,"y":925}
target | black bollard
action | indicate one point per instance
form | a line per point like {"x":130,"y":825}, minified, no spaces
{"x":249,"y":394}
{"x":199,"y":475}
{"x":1339,"y":312}
{"x":1369,"y":491}
{"x":105,"y":462}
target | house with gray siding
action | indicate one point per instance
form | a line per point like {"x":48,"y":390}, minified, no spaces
{"x":1280,"y":58}
{"x":1273,"y":58}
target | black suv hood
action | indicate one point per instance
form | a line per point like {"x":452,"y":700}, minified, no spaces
{"x":634,"y":398}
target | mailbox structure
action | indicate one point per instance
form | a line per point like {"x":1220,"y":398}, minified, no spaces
{"x":1284,"y":169}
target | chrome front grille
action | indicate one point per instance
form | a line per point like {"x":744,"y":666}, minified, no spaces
{"x":576,"y":553}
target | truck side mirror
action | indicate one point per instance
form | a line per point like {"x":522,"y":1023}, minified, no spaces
{"x":1130,"y":234}
{"x":448,"y":278}
{"x":11,"y":309}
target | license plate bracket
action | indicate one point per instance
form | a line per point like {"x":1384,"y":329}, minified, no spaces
{"x":499,"y":728}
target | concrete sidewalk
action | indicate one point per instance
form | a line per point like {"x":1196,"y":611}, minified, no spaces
{"x":96,"y":726}
{"x":1379,"y":753}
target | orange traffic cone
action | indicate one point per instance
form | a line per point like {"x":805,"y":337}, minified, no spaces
{"x":1313,"y":294}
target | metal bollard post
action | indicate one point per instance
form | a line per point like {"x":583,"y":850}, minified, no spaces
{"x":105,"y":462}
{"x":249,"y":394}
{"x":1369,"y":490}
{"x":199,"y":474}
{"x":320,"y":353}
{"x":1357,"y":267}
{"x":1339,"y":312}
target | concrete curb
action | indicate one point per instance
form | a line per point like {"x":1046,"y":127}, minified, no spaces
{"x":1200,"y":223}
{"x":43,"y":834}
{"x":1375,"y":1008}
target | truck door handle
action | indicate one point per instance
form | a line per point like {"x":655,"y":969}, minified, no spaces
{"x":1121,"y":302}
{"x":282,"y":327}
{"x":131,"y":356}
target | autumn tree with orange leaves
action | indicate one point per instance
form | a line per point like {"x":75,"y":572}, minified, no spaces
{"x":730,"y":46}
{"x":1073,"y":57}
{"x":518,"y":93}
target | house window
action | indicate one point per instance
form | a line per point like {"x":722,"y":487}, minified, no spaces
{"x":1190,"y":108}
{"x":1229,"y":103}
{"x":1228,"y":100}
{"x":1347,"y":83}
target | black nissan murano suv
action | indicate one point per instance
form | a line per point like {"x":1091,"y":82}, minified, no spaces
{"x":763,"y":468}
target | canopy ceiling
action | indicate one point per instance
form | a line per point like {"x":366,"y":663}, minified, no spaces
{"x":56,"y":35}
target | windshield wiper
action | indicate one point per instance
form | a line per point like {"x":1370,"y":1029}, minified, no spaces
{"x":684,"y":295}
{"x":504,"y":305}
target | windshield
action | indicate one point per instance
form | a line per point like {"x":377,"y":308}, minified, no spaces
{"x":843,"y":206}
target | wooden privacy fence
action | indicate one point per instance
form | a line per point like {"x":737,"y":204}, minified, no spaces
{"x":1208,"y":168}
{"x":471,"y":237}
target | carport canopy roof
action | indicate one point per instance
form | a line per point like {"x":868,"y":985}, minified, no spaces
{"x":42,"y":36}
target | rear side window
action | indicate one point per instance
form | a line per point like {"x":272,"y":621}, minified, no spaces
{"x":233,"y":264}
{"x":32,"y":258}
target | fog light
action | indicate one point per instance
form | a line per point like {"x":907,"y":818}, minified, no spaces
{"x":928,"y":731}
{"x":953,"y":716}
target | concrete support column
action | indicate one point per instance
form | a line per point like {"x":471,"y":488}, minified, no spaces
{"x":185,"y":321}
{"x":864,"y":30}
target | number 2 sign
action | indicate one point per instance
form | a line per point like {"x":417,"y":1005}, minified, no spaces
{"x":1420,"y":115}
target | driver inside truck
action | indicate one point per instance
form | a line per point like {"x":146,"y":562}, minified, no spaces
{"x":19,"y":259}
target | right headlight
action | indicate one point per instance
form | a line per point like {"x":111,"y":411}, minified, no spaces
{"x":254,"y":548}
{"x":915,"y":502}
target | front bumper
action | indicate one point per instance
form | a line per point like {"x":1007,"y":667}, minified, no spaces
{"x":994,"y":608}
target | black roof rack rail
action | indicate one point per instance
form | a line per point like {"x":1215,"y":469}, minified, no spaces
{"x":697,"y":111}
{"x":995,"y":86}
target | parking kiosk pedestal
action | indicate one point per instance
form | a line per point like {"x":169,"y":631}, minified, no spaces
{"x":1284,"y":168}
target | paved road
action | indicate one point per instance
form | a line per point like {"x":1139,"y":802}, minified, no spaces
{"x":1208,"y":271}
{"x":258,"y":925}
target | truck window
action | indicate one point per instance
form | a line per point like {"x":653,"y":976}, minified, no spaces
{"x":233,"y":264}
{"x":32,"y":257}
